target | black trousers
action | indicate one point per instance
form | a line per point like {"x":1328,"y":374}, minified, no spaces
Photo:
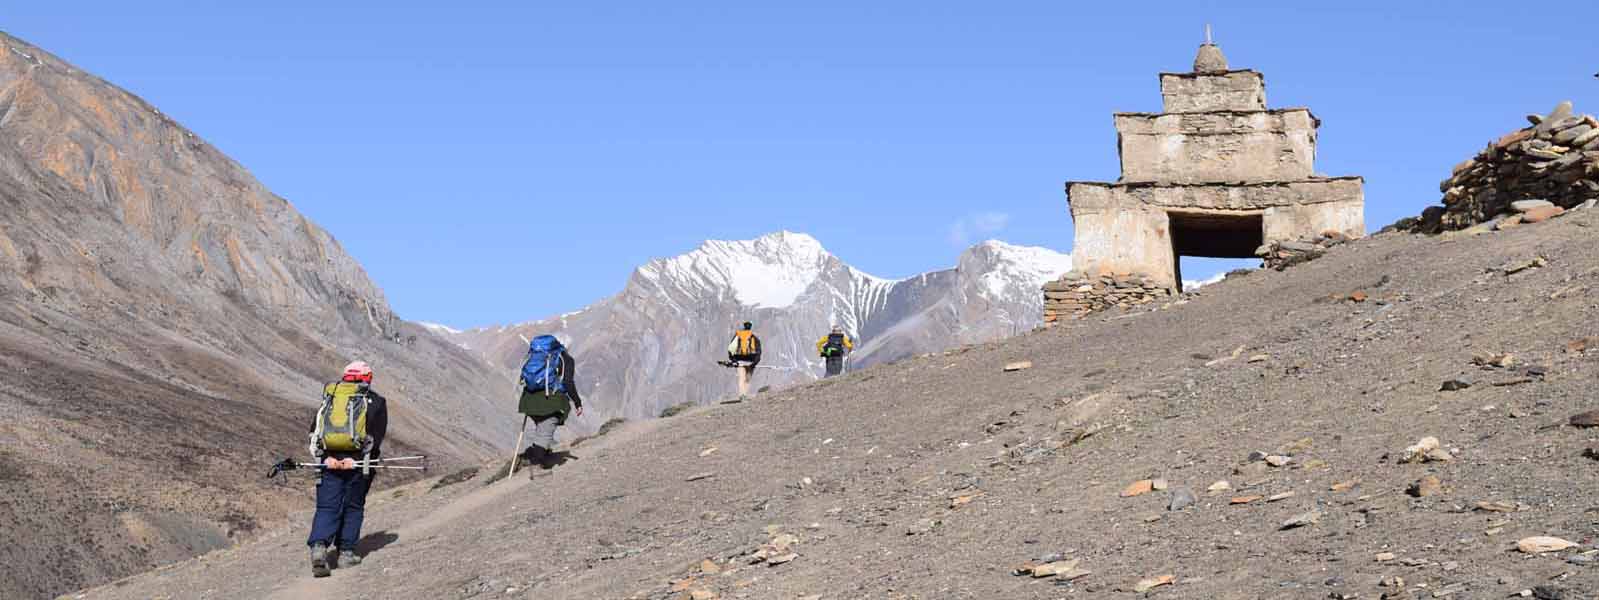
{"x":835,"y":365}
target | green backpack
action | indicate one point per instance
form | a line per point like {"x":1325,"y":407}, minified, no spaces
{"x":341,"y":422}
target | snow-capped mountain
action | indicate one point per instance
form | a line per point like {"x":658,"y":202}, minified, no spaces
{"x":655,"y":344}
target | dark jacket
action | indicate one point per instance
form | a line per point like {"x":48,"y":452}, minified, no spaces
{"x":377,"y":426}
{"x":535,"y":403}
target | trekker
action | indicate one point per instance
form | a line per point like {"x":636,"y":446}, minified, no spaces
{"x":833,"y":347}
{"x":549,"y":393}
{"x":744,"y":353}
{"x":350,"y":425}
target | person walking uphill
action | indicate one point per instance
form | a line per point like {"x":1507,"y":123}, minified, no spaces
{"x":350,"y":425}
{"x":744,"y":353}
{"x":549,"y":393}
{"x":833,"y":347}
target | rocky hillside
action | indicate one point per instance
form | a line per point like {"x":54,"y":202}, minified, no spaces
{"x":164,"y":323}
{"x":654,"y":344}
{"x":1254,"y":441}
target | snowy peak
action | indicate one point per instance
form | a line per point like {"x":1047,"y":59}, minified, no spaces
{"x":1005,"y":270}
{"x":770,"y":271}
{"x":438,"y":328}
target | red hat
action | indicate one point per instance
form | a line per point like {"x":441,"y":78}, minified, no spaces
{"x":358,"y":371}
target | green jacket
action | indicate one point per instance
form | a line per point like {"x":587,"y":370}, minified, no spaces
{"x":540,"y":405}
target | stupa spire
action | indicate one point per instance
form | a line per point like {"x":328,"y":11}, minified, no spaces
{"x":1209,"y":59}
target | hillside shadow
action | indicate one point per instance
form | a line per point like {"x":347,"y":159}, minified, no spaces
{"x":373,"y":542}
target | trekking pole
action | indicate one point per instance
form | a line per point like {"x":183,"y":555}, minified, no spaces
{"x":516,"y":450}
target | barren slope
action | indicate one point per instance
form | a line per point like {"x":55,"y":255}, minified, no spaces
{"x":863,"y":468}
{"x":165,"y":321}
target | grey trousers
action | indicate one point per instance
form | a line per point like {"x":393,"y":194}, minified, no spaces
{"x":544,"y":431}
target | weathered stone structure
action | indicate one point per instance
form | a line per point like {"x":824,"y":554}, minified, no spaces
{"x":1216,"y":174}
{"x":1554,"y":161}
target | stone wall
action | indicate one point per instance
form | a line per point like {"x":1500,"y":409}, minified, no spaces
{"x":1125,"y":227}
{"x":1076,"y":294}
{"x":1217,"y":147}
{"x":1556,"y":159}
{"x":1242,"y":90}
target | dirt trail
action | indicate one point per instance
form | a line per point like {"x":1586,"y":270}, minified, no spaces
{"x":932,"y":478}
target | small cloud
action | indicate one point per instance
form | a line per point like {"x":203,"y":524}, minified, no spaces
{"x":980,"y":224}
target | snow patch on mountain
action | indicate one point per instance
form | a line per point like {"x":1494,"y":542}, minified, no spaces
{"x":1194,"y":284}
{"x":438,"y":328}
{"x":771,"y":271}
{"x":1005,"y":267}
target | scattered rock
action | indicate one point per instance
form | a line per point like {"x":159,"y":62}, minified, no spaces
{"x":1344,"y":486}
{"x":1018,"y":366}
{"x":1159,"y":485}
{"x":1065,"y":568}
{"x":1540,"y":544}
{"x":1418,"y":452}
{"x":1153,"y":582}
{"x":1495,"y":506}
{"x":1385,"y":556}
{"x":781,"y":559}
{"x":1585,"y":419}
{"x":1541,"y":214}
{"x":709,"y":567}
{"x":708,"y":451}
{"x":699,"y":476}
{"x":701,"y":594}
{"x":1527,"y":205}
{"x":1277,"y":461}
{"x":1219,"y":487}
{"x":1181,"y":498}
{"x":1138,"y":488}
{"x":960,"y":499}
{"x":1256,"y":456}
{"x":1426,"y":486}
{"x":1258,"y":358}
{"x":1280,"y":497}
{"x":1245,"y":499}
{"x":1513,"y":268}
{"x":1302,"y":520}
{"x":1454,"y":385}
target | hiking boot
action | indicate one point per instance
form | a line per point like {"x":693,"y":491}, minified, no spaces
{"x":319,"y":561}
{"x":348,"y":558}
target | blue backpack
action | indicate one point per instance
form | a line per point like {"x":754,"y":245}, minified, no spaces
{"x":543,"y":370}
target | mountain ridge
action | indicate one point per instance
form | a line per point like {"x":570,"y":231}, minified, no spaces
{"x":681,"y":308}
{"x":168,"y":321}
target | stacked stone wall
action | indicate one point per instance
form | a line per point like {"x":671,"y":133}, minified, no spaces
{"x":1076,"y":294}
{"x":1556,"y":159}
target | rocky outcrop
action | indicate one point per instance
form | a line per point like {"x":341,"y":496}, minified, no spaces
{"x":1556,"y":159}
{"x":165,"y":321}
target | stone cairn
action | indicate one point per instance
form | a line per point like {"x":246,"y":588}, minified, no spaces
{"x":1555,"y":160}
{"x":1076,"y":294}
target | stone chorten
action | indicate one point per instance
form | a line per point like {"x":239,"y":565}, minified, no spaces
{"x":1216,"y":174}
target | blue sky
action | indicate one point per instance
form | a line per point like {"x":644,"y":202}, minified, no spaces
{"x":454,"y":148}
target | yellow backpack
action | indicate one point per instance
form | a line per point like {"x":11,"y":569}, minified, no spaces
{"x":748,"y":344}
{"x":341,"y":422}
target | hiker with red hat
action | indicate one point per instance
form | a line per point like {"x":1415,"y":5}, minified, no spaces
{"x":349,"y":426}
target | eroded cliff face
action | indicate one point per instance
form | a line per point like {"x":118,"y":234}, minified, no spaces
{"x":164,"y":323}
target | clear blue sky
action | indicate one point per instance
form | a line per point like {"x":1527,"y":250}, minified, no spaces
{"x":453,"y":146}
